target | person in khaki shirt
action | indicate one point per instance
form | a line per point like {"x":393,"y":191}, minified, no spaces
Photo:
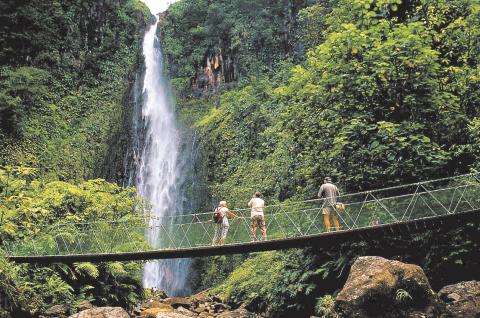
{"x":330,"y":192}
{"x":257,"y":204}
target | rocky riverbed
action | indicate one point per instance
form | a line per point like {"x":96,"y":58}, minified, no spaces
{"x":200,"y":305}
{"x":376,"y":288}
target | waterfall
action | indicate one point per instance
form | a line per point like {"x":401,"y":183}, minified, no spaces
{"x":157,"y":159}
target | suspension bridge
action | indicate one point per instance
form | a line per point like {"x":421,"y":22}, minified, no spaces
{"x":367,"y":215}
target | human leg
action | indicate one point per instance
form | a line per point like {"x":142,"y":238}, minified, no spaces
{"x":224,"y":234}
{"x":217,"y":235}
{"x":254,"y":228}
{"x":261,"y":221}
{"x":326,"y":218}
{"x":335,"y":221}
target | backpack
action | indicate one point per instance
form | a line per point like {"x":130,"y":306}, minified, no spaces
{"x":217,"y":216}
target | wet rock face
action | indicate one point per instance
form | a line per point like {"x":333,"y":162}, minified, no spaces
{"x":462,"y":299}
{"x":217,"y":69}
{"x":377,"y":287}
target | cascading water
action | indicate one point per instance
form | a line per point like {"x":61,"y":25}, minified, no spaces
{"x":156,"y":154}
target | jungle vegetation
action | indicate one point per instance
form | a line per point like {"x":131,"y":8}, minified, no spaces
{"x":371,"y":93}
{"x":29,"y":207}
{"x":65,"y":73}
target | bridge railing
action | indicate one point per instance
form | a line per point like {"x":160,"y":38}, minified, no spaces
{"x":286,"y":220}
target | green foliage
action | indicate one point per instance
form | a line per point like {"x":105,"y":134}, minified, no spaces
{"x":312,"y":24}
{"x":21,"y":91}
{"x":251,"y":36}
{"x":271,"y":282}
{"x":215,"y":270}
{"x":29,"y":203}
{"x":381,"y":99}
{"x":116,"y":269}
{"x":386,"y":94}
{"x":402,"y":296}
{"x":29,"y":207}
{"x":87,"y":269}
{"x":325,"y":307}
{"x":64,"y":74}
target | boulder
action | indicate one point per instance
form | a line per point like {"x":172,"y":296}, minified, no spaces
{"x":377,"y":287}
{"x":219,"y":307}
{"x":160,"y":294}
{"x":200,"y":308}
{"x":237,"y":313}
{"x":84,"y":305}
{"x":56,"y":311}
{"x":462,"y":299}
{"x":176,"y":302}
{"x":153,"y":312}
{"x":171,"y":315}
{"x":154,"y":304}
{"x":218,"y":299}
{"x":200,"y":298}
{"x":102,"y":312}
{"x":186,"y":312}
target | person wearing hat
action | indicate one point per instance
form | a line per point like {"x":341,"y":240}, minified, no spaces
{"x":330,"y":192}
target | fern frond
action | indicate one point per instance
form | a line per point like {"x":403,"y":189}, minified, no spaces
{"x":88,"y":269}
{"x":116,"y":269}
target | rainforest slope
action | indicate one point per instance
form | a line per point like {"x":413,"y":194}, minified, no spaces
{"x":372,"y":93}
{"x":66,"y":69}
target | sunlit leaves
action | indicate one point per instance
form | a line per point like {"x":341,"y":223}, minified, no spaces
{"x":39,"y":216}
{"x":87,"y":269}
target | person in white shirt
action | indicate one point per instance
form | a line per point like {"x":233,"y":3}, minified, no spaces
{"x":257,"y":204}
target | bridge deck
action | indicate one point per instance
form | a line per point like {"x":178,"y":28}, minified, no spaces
{"x":319,"y":240}
{"x":400,"y":209}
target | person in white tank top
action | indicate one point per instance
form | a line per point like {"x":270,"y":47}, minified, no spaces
{"x":257,"y":204}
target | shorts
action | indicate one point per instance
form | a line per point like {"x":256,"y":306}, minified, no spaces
{"x":258,"y":219}
{"x":329,"y":210}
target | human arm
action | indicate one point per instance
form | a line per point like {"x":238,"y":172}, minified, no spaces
{"x":320,"y":192}
{"x":230,"y":213}
{"x":250,"y":203}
